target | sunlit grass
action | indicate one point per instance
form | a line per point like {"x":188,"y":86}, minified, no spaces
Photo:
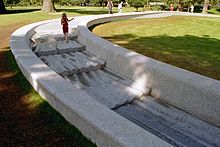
{"x":33,"y":100}
{"x":33,"y":14}
{"x":192,"y":43}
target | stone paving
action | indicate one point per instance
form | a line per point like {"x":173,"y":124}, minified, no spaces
{"x":169,"y":123}
{"x":83,"y":70}
{"x":88,"y":73}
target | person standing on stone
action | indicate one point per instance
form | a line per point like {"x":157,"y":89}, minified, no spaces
{"x":110,"y":6}
{"x":64,"y":22}
{"x":120,"y":7}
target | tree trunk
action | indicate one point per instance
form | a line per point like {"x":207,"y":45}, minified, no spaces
{"x":180,"y":7}
{"x":2,"y":7}
{"x":205,"y":7}
{"x":48,"y":6}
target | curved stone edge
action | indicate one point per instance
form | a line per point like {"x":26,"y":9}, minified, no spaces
{"x":191,"y":92}
{"x":103,"y":126}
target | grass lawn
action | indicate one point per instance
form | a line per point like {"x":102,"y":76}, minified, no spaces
{"x":214,"y":11}
{"x":192,"y":43}
{"x":31,"y":14}
{"x":20,"y":16}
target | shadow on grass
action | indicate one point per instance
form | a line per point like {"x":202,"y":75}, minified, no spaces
{"x":216,"y":12}
{"x":69,"y":10}
{"x":218,"y":9}
{"x":197,"y":54}
{"x":20,"y":79}
{"x":25,"y":10}
{"x":81,"y":11}
{"x":52,"y":128}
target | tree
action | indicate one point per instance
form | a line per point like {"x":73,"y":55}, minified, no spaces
{"x":205,"y":7}
{"x":99,"y":2}
{"x":48,"y":6}
{"x":11,"y":2}
{"x":137,"y":3}
{"x":2,"y":7}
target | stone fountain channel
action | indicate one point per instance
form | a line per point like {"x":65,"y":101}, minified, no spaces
{"x":88,"y":73}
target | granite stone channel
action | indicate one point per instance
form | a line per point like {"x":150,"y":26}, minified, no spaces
{"x":88,"y":73}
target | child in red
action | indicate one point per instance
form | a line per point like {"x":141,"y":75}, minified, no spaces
{"x":64,"y":22}
{"x":171,"y":7}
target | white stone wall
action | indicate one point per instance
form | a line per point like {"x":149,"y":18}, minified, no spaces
{"x":191,"y":92}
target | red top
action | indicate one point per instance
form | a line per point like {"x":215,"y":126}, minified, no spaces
{"x":64,"y":22}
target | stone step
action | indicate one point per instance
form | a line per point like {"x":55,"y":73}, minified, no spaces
{"x":57,"y":47}
{"x":70,"y":46}
{"x":130,"y":92}
{"x":121,"y":96}
{"x":72,"y":63}
{"x":128,"y":82}
{"x":101,"y":86}
{"x":169,"y":123}
{"x":93,"y":58}
{"x":54,"y":64}
{"x":97,"y":89}
{"x":45,"y":37}
{"x":45,"y":48}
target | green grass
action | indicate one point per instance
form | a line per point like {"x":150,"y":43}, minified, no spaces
{"x":214,"y":11}
{"x":192,"y":43}
{"x":32,"y":14}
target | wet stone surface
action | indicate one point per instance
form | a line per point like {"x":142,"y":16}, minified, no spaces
{"x":88,"y":73}
{"x":84,"y":70}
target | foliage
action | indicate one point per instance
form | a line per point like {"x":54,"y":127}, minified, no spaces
{"x":11,"y":2}
{"x":2,"y":7}
{"x":98,"y":2}
{"x":22,"y":2}
{"x":104,"y":2}
{"x":30,"y":2}
{"x":68,"y":2}
{"x":137,"y":3}
{"x":134,"y":3}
